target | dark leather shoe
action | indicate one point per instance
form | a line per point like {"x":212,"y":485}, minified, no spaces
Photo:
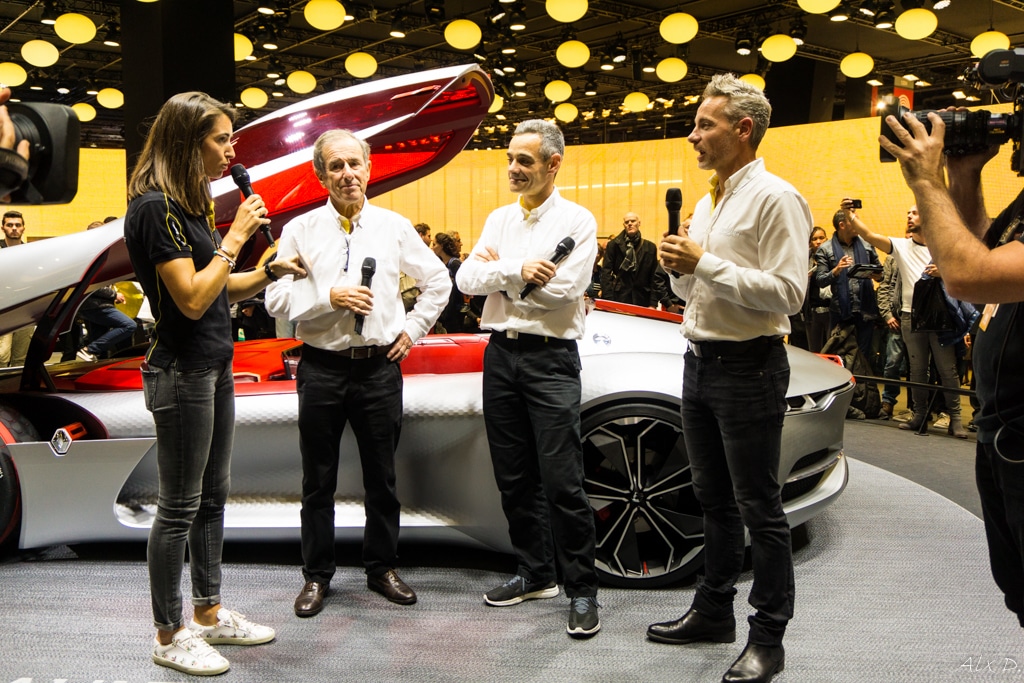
{"x":391,"y":587}
{"x":694,"y":627}
{"x":311,"y":599}
{"x":756,"y":664}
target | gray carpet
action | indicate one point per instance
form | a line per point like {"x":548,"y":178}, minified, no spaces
{"x":893,"y":585}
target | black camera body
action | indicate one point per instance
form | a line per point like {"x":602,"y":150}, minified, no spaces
{"x":971,"y":132}
{"x":54,"y":134}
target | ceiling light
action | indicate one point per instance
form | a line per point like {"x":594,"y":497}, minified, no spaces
{"x":85,"y":111}
{"x":798,"y":31}
{"x":566,"y":112}
{"x":519,"y":82}
{"x":497,"y":13}
{"x":12,"y":74}
{"x":301,"y":82}
{"x":433,"y":10}
{"x":516,"y":20}
{"x":817,"y":6}
{"x":647,"y":64}
{"x":840,"y":13}
{"x":744,"y":43}
{"x":507,"y":46}
{"x":112,"y":38}
{"x":274,"y":69}
{"x":910,"y":77}
{"x":75,"y":28}
{"x":678,"y":28}
{"x":361,"y":64}
{"x":607,"y":64}
{"x":756,"y":80}
{"x":566,"y":11}
{"x":778,"y":48}
{"x":619,"y":53}
{"x":868,"y":8}
{"x":875,"y":82}
{"x":40,"y":53}
{"x":49,"y":13}
{"x":397,"y":26}
{"x":885,"y":17}
{"x":990,"y":40}
{"x":267,"y":7}
{"x":243,"y":47}
{"x":672,"y":69}
{"x":558,"y":90}
{"x":941,"y":4}
{"x":959,"y":94}
{"x":590,"y":88}
{"x":325,"y":15}
{"x":857,"y":65}
{"x":111,"y":98}
{"x":917,"y":23}
{"x":462,"y":34}
{"x":572,"y":53}
{"x":254,"y":97}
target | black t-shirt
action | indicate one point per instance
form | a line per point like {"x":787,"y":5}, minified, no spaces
{"x":998,"y":356}
{"x":157,"y":230}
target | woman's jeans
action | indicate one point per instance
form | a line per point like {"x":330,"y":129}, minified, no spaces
{"x":194,"y":412}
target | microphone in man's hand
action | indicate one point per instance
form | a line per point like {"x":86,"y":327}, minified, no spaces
{"x":241,"y":177}
{"x":561,"y":251}
{"x":674,"y":204}
{"x":369,"y":268}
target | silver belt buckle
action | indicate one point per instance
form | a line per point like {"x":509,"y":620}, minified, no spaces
{"x":361,"y":352}
{"x":511,"y":334}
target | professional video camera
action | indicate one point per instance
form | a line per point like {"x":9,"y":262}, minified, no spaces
{"x":969,"y":132}
{"x":51,"y":174}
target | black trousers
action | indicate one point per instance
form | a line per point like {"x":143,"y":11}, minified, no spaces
{"x":1001,"y":487}
{"x":733,"y":406}
{"x":368,"y":393}
{"x":531,"y":396}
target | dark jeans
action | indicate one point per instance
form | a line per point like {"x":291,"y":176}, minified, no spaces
{"x":895,"y":364}
{"x":1001,"y":487}
{"x":334,"y":390}
{"x":732,"y":426}
{"x":919,"y":344}
{"x":194,"y":413}
{"x":531,"y":397}
{"x":116,"y":328}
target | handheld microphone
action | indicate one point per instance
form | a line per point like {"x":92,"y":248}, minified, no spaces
{"x":561,"y":251}
{"x":241,"y":177}
{"x":674,"y":203}
{"x":369,"y":268}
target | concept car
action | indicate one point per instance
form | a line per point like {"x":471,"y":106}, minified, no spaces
{"x":77,"y":446}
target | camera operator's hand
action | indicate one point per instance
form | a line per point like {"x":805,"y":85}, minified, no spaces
{"x":11,"y":168}
{"x":920,"y":156}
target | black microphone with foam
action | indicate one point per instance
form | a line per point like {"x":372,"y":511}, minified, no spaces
{"x":241,"y":177}
{"x":561,"y":251}
{"x":369,"y":268}
{"x":674,"y":204}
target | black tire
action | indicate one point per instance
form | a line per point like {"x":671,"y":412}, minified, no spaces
{"x":650,"y":529}
{"x":19,"y":429}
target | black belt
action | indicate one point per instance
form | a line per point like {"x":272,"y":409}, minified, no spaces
{"x":353,"y":352}
{"x":732,"y":349}
{"x":526,"y":342}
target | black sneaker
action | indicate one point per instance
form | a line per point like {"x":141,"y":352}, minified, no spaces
{"x":517,"y":589}
{"x":583,"y":619}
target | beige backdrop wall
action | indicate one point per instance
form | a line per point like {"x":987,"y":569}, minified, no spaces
{"x":825,"y":161}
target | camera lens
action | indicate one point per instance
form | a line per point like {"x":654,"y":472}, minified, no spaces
{"x":967,"y":132}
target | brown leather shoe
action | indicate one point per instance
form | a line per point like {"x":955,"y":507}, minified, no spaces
{"x":391,"y":587}
{"x":311,"y":599}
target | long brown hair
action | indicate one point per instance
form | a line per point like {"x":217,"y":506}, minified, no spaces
{"x":171,"y":160}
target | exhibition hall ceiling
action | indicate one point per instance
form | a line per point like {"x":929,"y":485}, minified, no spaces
{"x":628,"y":32}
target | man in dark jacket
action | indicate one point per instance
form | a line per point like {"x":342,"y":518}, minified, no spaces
{"x":629,"y":263}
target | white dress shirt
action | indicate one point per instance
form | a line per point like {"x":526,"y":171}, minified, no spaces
{"x":334,"y":258}
{"x":753,"y":273}
{"x":517,"y":235}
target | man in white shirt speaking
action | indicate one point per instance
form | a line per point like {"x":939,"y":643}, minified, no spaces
{"x":355,"y":332}
{"x":531,"y":383}
{"x":742,"y":270}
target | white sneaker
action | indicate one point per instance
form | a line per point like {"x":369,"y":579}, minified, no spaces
{"x":903,"y":416}
{"x":83,"y":354}
{"x":942,"y":422}
{"x":233,"y":629}
{"x":189,"y":653}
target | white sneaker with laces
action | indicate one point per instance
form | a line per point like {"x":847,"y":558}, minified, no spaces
{"x":233,"y":629}
{"x":189,"y":653}
{"x":942,"y":422}
{"x":83,"y":354}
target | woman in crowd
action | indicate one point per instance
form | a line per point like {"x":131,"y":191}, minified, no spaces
{"x":816,"y":320}
{"x":453,"y":317}
{"x":186,"y":271}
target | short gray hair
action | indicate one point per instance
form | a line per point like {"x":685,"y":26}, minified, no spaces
{"x":744,"y":100}
{"x":551,"y":139}
{"x":319,"y":166}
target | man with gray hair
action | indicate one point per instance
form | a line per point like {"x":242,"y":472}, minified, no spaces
{"x":354,"y":337}
{"x":741,"y":267}
{"x":531,"y":382}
